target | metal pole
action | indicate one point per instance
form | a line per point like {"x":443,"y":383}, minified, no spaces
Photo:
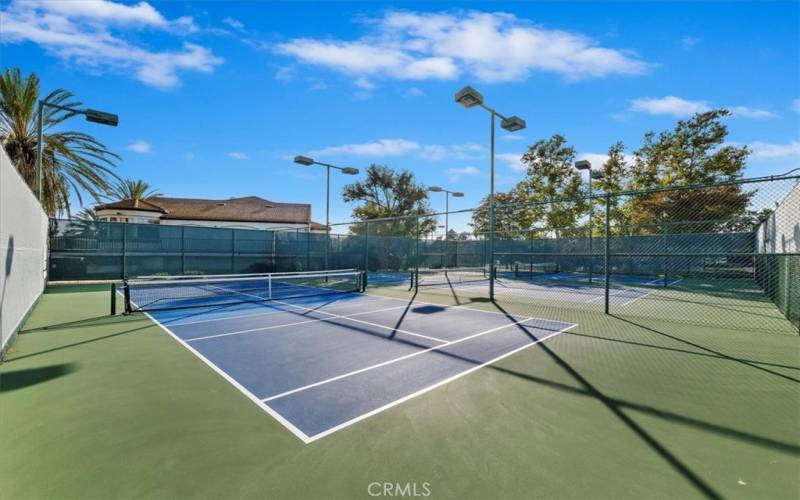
{"x":366,"y":253}
{"x":607,"y":252}
{"x":491,"y":206}
{"x":415,"y":278}
{"x":39,"y":151}
{"x":327,"y":215}
{"x":446,"y":225}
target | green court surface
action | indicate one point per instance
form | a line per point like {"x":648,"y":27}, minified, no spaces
{"x":640,"y":404}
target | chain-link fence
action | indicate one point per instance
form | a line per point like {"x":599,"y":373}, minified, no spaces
{"x":717,"y":255}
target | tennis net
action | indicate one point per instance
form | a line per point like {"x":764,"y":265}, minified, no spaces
{"x":173,"y":292}
{"x":450,"y":276}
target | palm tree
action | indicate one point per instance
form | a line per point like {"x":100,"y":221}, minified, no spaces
{"x":130,"y":189}
{"x":72,"y":162}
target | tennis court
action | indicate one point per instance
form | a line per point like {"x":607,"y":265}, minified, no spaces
{"x":321,"y":358}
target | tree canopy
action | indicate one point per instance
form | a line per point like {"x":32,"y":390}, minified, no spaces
{"x":73,"y":163}
{"x":389,"y":193}
{"x":552,"y":197}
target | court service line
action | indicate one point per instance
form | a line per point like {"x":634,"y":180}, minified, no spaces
{"x":269,"y":313}
{"x":395,"y":360}
{"x":315,"y":320}
{"x":431,"y":387}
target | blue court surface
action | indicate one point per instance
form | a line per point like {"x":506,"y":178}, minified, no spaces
{"x":319,"y":364}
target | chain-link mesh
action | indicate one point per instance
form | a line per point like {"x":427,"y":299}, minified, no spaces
{"x":717,"y":255}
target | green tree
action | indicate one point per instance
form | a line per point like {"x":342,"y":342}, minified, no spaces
{"x":551,"y":178}
{"x":130,"y":189}
{"x":73,"y":163}
{"x":388,"y":193}
{"x":694,"y":152}
{"x":613,"y":178}
{"x":511,"y":219}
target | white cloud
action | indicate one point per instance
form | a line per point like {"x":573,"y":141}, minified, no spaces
{"x":141,"y":147}
{"x":758,"y":114}
{"x":91,"y":34}
{"x":490,"y":47}
{"x":414,"y":92}
{"x":188,"y":156}
{"x":796,"y":105}
{"x":688,"y":42}
{"x":379,"y":148}
{"x":766,"y":151}
{"x":437,"y":152}
{"x":234,"y":23}
{"x":669,"y":105}
{"x":237,"y":155}
{"x":457,"y":173}
{"x":678,"y":107}
{"x":512,"y":137}
{"x":364,"y":84}
{"x":284,"y":73}
{"x":512,"y":161}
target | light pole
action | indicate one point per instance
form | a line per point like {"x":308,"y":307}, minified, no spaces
{"x":587,"y":166}
{"x":305,"y":160}
{"x":447,"y":194}
{"x":92,"y":115}
{"x":469,"y":97}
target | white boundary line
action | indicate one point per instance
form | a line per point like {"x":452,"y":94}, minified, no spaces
{"x":431,"y":387}
{"x":395,"y":360}
{"x":314,"y":320}
{"x":277,"y":416}
{"x":275,"y":310}
{"x":303,"y":436}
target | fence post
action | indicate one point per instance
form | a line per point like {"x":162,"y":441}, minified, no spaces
{"x":366,"y":253}
{"x":233,"y":251}
{"x":415,"y":277}
{"x":183,"y":250}
{"x":607,"y":252}
{"x":124,"y":248}
{"x":666,"y":250}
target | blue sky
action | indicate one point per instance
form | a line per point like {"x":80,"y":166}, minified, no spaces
{"x":215,"y":98}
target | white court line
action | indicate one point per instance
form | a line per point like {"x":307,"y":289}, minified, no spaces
{"x":252,"y":397}
{"x":268,"y":313}
{"x":395,"y":360}
{"x":430,"y":387}
{"x":297,"y":432}
{"x":315,"y":320}
{"x":377,"y":325}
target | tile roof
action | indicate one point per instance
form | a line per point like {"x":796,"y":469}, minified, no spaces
{"x":247,"y":209}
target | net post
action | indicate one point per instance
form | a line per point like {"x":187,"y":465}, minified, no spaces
{"x":269,"y":287}
{"x":113,"y":299}
{"x":607,"y":253}
{"x":126,"y":291}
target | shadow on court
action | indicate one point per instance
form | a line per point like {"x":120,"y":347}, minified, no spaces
{"x":20,"y":379}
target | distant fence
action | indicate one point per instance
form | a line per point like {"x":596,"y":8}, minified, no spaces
{"x":23,"y":250}
{"x":94,"y":250}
